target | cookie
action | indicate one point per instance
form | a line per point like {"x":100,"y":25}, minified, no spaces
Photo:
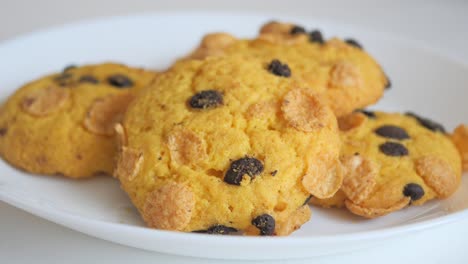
{"x":347,"y":76}
{"x":225,"y":145}
{"x":62,"y":124}
{"x":392,"y":161}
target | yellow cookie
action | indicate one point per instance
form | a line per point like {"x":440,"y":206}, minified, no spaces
{"x":342,"y":71}
{"x":392,"y":161}
{"x":63,"y":123}
{"x":224,"y":145}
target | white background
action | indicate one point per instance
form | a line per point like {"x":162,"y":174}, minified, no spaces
{"x":443,"y":25}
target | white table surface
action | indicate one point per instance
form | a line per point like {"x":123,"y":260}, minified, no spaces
{"x":443,"y":25}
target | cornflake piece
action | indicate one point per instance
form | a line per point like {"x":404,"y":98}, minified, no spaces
{"x":169,"y":207}
{"x":460,"y":138}
{"x":105,"y":112}
{"x":324,"y":178}
{"x":45,"y":101}
{"x":359,"y":177}
{"x":345,"y":74}
{"x":376,"y":212}
{"x":128,"y":164}
{"x":437,"y":174}
{"x":186,"y":147}
{"x":294,"y":222}
{"x":304,"y":111}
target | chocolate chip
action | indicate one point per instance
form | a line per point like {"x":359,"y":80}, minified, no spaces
{"x":3,"y":131}
{"x":265,"y":223}
{"x":427,"y":123}
{"x":413,"y":190}
{"x":279,"y":69}
{"x":297,"y":30}
{"x":307,"y":200}
{"x":69,"y":67}
{"x":250,"y":166}
{"x":369,"y":114}
{"x":388,"y":84}
{"x":390,"y":131}
{"x":120,"y":81}
{"x":63,"y":79}
{"x":206,"y":99}
{"x":218,"y":230}
{"x":354,"y":43}
{"x":273,"y":173}
{"x":393,"y":149}
{"x":88,"y":79}
{"x":316,"y":36}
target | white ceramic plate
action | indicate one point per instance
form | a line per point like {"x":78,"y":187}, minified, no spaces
{"x":423,"y":81}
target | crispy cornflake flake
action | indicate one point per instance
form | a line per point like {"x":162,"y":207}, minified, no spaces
{"x":128,"y":164}
{"x":274,"y":27}
{"x":304,"y":111}
{"x":45,"y":101}
{"x":186,"y":147}
{"x":437,"y":174}
{"x":294,"y":222}
{"x":169,"y":207}
{"x":324,"y":177}
{"x":213,"y":45}
{"x":345,"y":74}
{"x":121,"y":135}
{"x":280,"y":33}
{"x":460,"y":138}
{"x":376,"y":212}
{"x":262,"y":110}
{"x":105,"y":112}
{"x":359,"y":177}
{"x":351,"y":121}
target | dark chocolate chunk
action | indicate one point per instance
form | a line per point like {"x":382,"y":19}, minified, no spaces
{"x":388,"y":84}
{"x":69,"y":67}
{"x":206,"y":99}
{"x":265,"y":223}
{"x":120,"y":81}
{"x":354,"y":43}
{"x":250,"y":166}
{"x":88,"y":79}
{"x":307,"y":200}
{"x":393,"y":149}
{"x":413,"y":190}
{"x":369,"y":114}
{"x":297,"y":30}
{"x":218,"y":230}
{"x":316,"y":36}
{"x":427,"y":123}
{"x":390,"y":131}
{"x":279,"y":69}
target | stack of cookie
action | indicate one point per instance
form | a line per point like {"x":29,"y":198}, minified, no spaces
{"x":239,"y":136}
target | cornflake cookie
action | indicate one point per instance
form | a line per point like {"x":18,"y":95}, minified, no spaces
{"x":392,"y":161}
{"x":64,"y":123}
{"x":341,"y":71}
{"x":224,"y":145}
{"x":460,"y":138}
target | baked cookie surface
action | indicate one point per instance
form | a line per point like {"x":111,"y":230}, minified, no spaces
{"x":342,"y":71}
{"x":225,"y":145}
{"x":392,"y":161}
{"x":63,"y":123}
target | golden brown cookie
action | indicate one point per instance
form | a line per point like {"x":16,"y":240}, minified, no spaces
{"x":64,"y":123}
{"x":341,"y":71}
{"x":223,"y":145}
{"x":391,"y":161}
